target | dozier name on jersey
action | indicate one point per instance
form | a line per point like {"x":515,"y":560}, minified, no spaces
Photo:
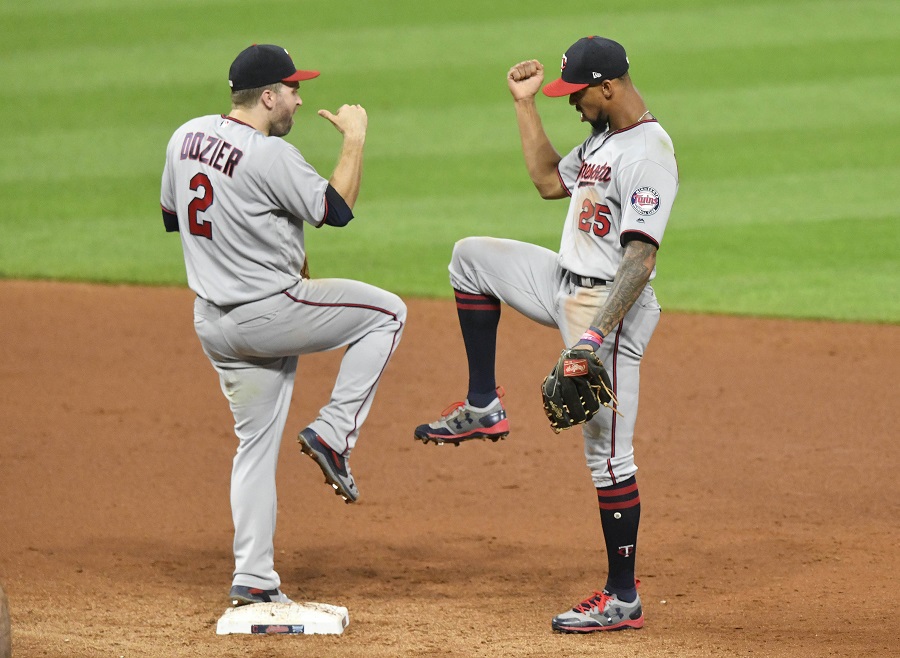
{"x":211,"y":153}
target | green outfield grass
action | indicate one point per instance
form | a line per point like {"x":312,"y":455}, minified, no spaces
{"x":785,"y":117}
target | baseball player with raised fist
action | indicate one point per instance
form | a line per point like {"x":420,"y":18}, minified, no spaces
{"x":621,"y":183}
{"x":239,"y":196}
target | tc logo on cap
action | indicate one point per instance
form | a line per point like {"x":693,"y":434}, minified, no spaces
{"x":565,"y":60}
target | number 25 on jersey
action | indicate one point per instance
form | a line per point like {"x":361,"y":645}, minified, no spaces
{"x":594,"y":218}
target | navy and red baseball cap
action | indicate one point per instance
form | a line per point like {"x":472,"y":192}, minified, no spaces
{"x":588,"y":61}
{"x":264,"y":64}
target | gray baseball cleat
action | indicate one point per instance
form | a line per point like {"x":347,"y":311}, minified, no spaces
{"x":240,"y":595}
{"x":333,"y":464}
{"x":461,"y":422}
{"x":600,"y":612}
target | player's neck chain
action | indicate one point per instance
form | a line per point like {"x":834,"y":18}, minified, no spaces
{"x":641,"y":118}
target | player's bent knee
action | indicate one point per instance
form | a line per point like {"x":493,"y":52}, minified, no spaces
{"x":468,"y":249}
{"x":392,"y":304}
{"x":467,"y":253}
{"x":399,"y":309}
{"x":393,"y":318}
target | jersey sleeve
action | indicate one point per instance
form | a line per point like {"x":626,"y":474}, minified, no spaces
{"x":167,"y":191}
{"x":297,"y":187}
{"x":648,"y":192}
{"x":569,"y":167}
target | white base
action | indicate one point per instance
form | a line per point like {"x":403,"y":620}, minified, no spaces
{"x":284,"y":618}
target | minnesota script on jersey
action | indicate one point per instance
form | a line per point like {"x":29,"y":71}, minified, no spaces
{"x":620,"y":182}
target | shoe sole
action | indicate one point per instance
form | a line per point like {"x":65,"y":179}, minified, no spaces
{"x":334,"y":483}
{"x":622,"y":626}
{"x":238,"y":600}
{"x":458,"y":440}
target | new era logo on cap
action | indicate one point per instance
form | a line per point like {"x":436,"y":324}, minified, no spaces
{"x":588,"y":61}
{"x":264,"y":64}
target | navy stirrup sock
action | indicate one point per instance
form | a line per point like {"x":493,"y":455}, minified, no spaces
{"x":479,"y":316}
{"x":620,"y":515}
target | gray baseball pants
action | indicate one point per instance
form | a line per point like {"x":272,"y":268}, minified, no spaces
{"x":529,"y":279}
{"x":254,"y":348}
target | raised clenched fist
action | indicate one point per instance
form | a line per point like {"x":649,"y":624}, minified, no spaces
{"x":525,"y":79}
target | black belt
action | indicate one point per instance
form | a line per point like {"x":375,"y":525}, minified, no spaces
{"x":583,"y":281}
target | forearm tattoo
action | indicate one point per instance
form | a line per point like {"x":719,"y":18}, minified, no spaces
{"x":631,"y":279}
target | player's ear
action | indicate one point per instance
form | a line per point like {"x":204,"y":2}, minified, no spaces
{"x":267,"y":98}
{"x":606,"y":87}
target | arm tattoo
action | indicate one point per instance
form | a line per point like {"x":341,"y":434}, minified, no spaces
{"x":631,"y":279}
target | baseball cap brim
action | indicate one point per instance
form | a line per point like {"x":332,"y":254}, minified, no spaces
{"x":301,"y":75}
{"x":562,"y":88}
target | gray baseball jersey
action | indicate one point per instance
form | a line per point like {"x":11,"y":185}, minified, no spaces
{"x":241,"y":200}
{"x":620,"y":182}
{"x":253,"y":231}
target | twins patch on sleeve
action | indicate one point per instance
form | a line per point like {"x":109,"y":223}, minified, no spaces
{"x":645,"y":201}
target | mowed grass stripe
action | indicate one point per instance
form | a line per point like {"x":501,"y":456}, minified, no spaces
{"x":788,"y":198}
{"x":149,"y":41}
{"x":723,"y":157}
{"x":757,"y":67}
{"x":786,"y":270}
{"x":691,"y":30}
{"x":779,"y":105}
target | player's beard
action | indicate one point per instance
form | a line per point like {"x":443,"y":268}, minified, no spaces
{"x":283,"y":120}
{"x":600,"y":123}
{"x":281,"y":126}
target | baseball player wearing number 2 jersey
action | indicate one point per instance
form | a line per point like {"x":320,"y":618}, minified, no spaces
{"x":621,"y":181}
{"x":239,"y":195}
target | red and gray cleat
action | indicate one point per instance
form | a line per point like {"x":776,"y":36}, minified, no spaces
{"x":600,"y":612}
{"x":241,"y":595}
{"x":463,"y":422}
{"x":333,"y":464}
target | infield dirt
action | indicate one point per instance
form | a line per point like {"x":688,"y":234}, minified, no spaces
{"x":768,"y":458}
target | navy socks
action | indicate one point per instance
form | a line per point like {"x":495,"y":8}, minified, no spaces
{"x":479,"y":316}
{"x":620,"y":515}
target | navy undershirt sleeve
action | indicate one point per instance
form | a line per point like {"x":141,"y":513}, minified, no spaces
{"x":170,"y":221}
{"x":337,"y":212}
{"x":628,"y":236}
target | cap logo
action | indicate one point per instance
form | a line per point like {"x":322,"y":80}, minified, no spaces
{"x":645,"y":201}
{"x":565,"y":61}
{"x":596,"y":75}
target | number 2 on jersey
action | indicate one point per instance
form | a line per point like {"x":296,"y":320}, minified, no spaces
{"x":200,"y":204}
{"x":594,"y":218}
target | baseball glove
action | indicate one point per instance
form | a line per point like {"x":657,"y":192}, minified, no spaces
{"x":576,"y":388}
